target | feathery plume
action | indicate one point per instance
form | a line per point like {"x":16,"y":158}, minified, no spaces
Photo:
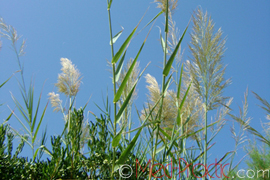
{"x":69,"y":80}
{"x":163,"y":3}
{"x":55,"y":101}
{"x":169,"y":109}
{"x":206,"y":67}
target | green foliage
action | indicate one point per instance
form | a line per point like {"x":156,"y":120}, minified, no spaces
{"x":170,"y":120}
{"x":259,"y":158}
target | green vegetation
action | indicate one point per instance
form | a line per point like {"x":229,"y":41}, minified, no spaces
{"x":175,"y":115}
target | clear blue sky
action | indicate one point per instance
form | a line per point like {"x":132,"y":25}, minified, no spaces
{"x":78,"y":30}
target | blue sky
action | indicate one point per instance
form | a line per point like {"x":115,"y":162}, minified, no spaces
{"x":78,"y":30}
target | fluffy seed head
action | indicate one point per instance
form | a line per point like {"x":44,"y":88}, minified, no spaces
{"x":55,"y":101}
{"x":163,"y":3}
{"x":70,"y":79}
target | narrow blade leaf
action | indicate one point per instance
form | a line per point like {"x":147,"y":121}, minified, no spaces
{"x":114,"y":39}
{"x":167,"y":17}
{"x":119,"y":67}
{"x":117,"y":138}
{"x":123,"y":84}
{"x":109,"y":5}
{"x":123,"y":47}
{"x":179,"y":83}
{"x":41,"y":118}
{"x":170,"y":61}
{"x":163,"y":44}
{"x":153,"y":19}
{"x":185,"y":96}
{"x":167,"y":84}
{"x":126,"y":152}
{"x":125,"y":104}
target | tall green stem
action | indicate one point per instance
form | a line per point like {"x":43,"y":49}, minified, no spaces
{"x":205,"y":140}
{"x":20,"y":66}
{"x":114,"y":87}
{"x":163,"y":89}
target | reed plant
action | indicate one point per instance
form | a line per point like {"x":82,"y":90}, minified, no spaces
{"x":174,"y":129}
{"x":30,"y":119}
{"x":206,"y":68}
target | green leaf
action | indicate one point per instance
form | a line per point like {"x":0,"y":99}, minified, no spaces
{"x":18,"y":117}
{"x":167,"y":17}
{"x":119,"y":67}
{"x":35,"y":155}
{"x":109,"y":4}
{"x":191,"y":134}
{"x":22,"y":137}
{"x":47,"y":151}
{"x":41,"y":118}
{"x":123,"y":47}
{"x":167,"y":84}
{"x":185,"y":96}
{"x":8,"y":79}
{"x":179,"y":83}
{"x":172,"y":140}
{"x":178,"y":119}
{"x":168,"y":136}
{"x":161,"y":148}
{"x":125,"y":104}
{"x":8,"y":117}
{"x":147,"y":124}
{"x":188,"y":118}
{"x":126,"y":153}
{"x":170,"y":61}
{"x":201,"y":154}
{"x":214,"y":167}
{"x":251,"y":129}
{"x":163,"y":44}
{"x":125,"y":80}
{"x":117,"y":138}
{"x":114,"y":39}
{"x":5,"y":81}
{"x":153,"y":19}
